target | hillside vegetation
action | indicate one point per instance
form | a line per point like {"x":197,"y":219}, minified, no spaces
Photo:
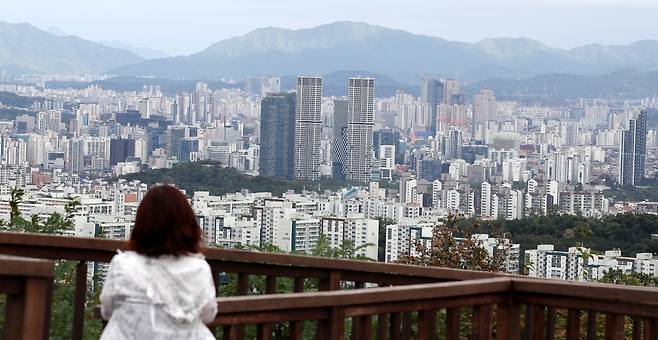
{"x":207,"y":176}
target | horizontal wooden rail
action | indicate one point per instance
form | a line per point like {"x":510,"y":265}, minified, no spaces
{"x":27,"y":284}
{"x":233,"y":261}
{"x":359,"y":301}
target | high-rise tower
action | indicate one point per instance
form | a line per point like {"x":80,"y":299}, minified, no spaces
{"x":484,"y":107}
{"x":632,"y":151}
{"x":308,"y":125}
{"x":277,"y":135}
{"x":431,"y":93}
{"x":339,"y":143}
{"x":360,"y":123}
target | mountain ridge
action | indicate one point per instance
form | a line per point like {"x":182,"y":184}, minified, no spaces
{"x":348,"y":45}
{"x":25,"y":48}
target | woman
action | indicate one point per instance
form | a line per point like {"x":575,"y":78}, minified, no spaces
{"x":162,"y":288}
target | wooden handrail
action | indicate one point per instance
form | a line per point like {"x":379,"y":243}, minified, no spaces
{"x":100,"y":250}
{"x":351,"y":297}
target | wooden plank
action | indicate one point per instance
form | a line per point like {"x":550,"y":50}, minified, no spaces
{"x":228,"y":332}
{"x":614,"y":327}
{"x":408,"y":294}
{"x":394,"y":326}
{"x":453,"y":318}
{"x":414,"y":305}
{"x":539,"y":322}
{"x":87,"y":249}
{"x":252,"y":318}
{"x":242,"y":289}
{"x":330,"y":283}
{"x":550,"y":323}
{"x":427,"y":324}
{"x":600,"y":306}
{"x":637,"y":328}
{"x":591,"y":325}
{"x":365,"y":330}
{"x":358,"y":322}
{"x":336,"y":324}
{"x":481,"y":323}
{"x":296,"y":326}
{"x":80,"y":300}
{"x":529,"y":320}
{"x":508,"y":321}
{"x":36,"y":297}
{"x":14,"y":314}
{"x":24,"y":266}
{"x":573,"y":324}
{"x":596,"y":291}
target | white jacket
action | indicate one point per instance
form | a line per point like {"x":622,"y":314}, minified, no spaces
{"x":158,"y":298}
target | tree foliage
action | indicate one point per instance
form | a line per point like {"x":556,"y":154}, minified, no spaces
{"x":630,"y":232}
{"x":453,"y":246}
{"x":212,"y":177}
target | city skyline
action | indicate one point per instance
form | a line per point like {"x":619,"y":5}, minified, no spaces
{"x":218,"y":20}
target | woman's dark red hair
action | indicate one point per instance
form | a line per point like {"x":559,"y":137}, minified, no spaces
{"x":165,"y":224}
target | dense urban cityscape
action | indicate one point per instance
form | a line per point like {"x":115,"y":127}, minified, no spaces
{"x":405,"y":159}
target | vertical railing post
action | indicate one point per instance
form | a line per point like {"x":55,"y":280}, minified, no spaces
{"x":80,"y":300}
{"x":481,"y":323}
{"x":637,"y":328}
{"x":573,"y":324}
{"x":427,"y":324}
{"x":614,"y":327}
{"x":550,"y":323}
{"x":264,"y":331}
{"x":591,"y":326}
{"x":331,"y":282}
{"x":453,"y":318}
{"x":358,"y":321}
{"x":336,"y":324}
{"x":243,"y":289}
{"x":539,"y":322}
{"x":394,"y":326}
{"x":508,"y":320}
{"x":296,"y":326}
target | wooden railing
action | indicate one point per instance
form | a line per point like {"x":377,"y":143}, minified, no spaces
{"x":501,"y":308}
{"x":363,"y":300}
{"x":325,"y":273}
{"x":27,"y":284}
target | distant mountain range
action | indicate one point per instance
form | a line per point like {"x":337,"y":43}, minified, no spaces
{"x":27,"y":49}
{"x":394,"y":53}
{"x":628,"y":83}
{"x":144,"y":52}
{"x":512,"y":67}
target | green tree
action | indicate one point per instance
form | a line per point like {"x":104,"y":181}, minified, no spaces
{"x":446,"y":250}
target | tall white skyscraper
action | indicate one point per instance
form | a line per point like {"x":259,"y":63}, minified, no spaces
{"x":360,"y":123}
{"x":485,"y":199}
{"x":308,"y":126}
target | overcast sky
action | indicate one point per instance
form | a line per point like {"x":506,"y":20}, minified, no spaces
{"x":188,"y":26}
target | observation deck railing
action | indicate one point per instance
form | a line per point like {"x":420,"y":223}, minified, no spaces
{"x":280,"y":295}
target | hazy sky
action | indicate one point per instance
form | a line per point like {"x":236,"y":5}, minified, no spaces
{"x":188,"y":26}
